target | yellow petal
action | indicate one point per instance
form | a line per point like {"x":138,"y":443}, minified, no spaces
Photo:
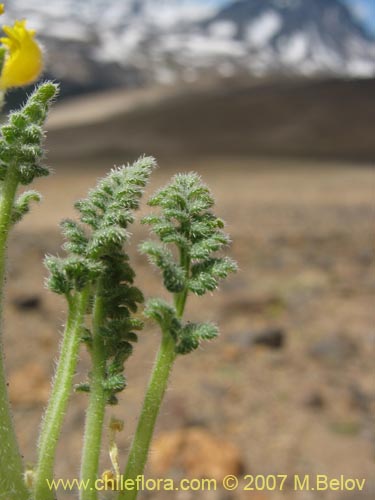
{"x":24,"y":60}
{"x":2,"y":8}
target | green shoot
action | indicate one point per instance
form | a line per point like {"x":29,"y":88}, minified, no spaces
{"x":187,"y":224}
{"x":21,"y":157}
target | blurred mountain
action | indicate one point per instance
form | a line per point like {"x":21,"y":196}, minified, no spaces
{"x":326,"y":119}
{"x":95,"y":44}
{"x":300,"y":36}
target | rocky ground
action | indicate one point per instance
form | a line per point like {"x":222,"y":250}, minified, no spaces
{"x":288,"y":388}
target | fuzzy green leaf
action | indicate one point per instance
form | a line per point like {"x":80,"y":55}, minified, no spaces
{"x":22,"y":205}
{"x":192,"y":334}
{"x":22,"y":136}
{"x":173,"y":275}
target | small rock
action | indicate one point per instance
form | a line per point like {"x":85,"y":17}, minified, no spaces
{"x":197,"y":453}
{"x":315,"y":401}
{"x":359,"y":400}
{"x":29,"y":385}
{"x":334,"y":349}
{"x":273,"y":338}
{"x":270,"y":337}
{"x":365,"y":257}
{"x":27,"y":302}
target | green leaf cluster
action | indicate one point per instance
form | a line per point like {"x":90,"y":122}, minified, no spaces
{"x":22,"y":136}
{"x":96,"y":258}
{"x":187,"y":222}
{"x":21,"y":147}
{"x":191,"y":238}
{"x":187,"y":336}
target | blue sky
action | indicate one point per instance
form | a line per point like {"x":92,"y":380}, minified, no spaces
{"x":363,"y":10}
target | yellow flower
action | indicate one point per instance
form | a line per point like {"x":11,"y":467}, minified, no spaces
{"x":23,"y":61}
{"x":1,"y":8}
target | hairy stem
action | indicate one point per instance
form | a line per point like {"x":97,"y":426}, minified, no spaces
{"x":61,"y":390}
{"x":12,"y":486}
{"x":96,"y":409}
{"x":150,"y":410}
{"x":154,"y":395}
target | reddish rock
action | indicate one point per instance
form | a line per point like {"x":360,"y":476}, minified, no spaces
{"x":197,"y":453}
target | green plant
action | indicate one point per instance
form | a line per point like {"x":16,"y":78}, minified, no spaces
{"x":21,"y":156}
{"x":97,"y":280}
{"x":186,"y":223}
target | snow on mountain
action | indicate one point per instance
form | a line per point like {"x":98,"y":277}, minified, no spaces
{"x":102,"y":42}
{"x":307,"y":36}
{"x":261,"y":30}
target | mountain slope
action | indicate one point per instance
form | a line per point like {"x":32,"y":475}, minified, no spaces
{"x":321,"y":119}
{"x":307,"y":36}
